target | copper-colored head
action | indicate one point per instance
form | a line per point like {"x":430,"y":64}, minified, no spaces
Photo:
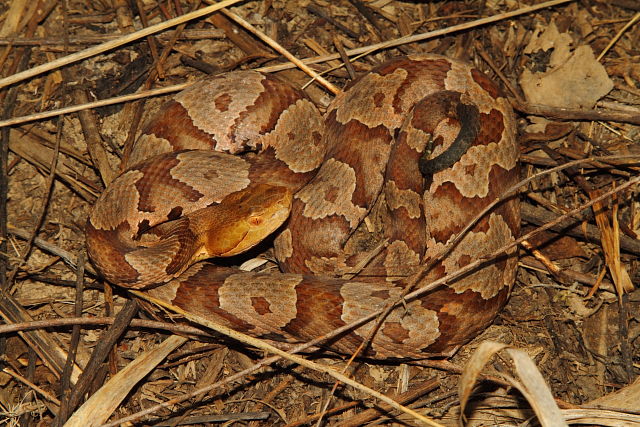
{"x":244,"y":219}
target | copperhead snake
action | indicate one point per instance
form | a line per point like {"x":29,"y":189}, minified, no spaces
{"x":251,"y":145}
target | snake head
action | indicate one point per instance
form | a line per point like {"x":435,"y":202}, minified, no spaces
{"x":245,"y":218}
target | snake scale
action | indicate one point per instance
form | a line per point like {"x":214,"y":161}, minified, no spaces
{"x":430,"y":141}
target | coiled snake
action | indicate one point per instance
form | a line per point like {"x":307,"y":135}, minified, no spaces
{"x":222,"y":160}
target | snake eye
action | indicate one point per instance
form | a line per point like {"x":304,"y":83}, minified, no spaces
{"x":255,"y":220}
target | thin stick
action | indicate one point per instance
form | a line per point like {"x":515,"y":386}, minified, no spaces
{"x":613,"y":41}
{"x":97,"y":321}
{"x":193,"y":34}
{"x":43,"y":209}
{"x":95,"y":50}
{"x":280,"y":49}
{"x":67,"y":256}
{"x":95,"y":104}
{"x":31,"y":385}
{"x":72,"y":353}
{"x":292,"y":357}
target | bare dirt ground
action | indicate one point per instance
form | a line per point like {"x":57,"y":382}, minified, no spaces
{"x":572,"y":72}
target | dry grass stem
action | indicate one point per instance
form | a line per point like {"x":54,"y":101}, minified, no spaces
{"x":106,"y":46}
{"x":359,"y":52}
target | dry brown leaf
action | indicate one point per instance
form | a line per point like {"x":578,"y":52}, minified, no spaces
{"x":578,"y":83}
{"x":551,"y":38}
{"x":474,"y":367}
{"x":625,"y":398}
{"x":102,"y":403}
{"x":573,"y":80}
{"x":610,"y":239}
{"x":536,"y":390}
{"x":531,"y":384}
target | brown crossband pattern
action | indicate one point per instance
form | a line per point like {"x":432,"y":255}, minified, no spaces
{"x":179,"y":202}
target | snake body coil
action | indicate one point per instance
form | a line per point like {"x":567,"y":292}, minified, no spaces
{"x":419,"y":113}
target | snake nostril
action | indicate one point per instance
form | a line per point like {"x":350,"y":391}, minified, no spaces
{"x":256,"y":221}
